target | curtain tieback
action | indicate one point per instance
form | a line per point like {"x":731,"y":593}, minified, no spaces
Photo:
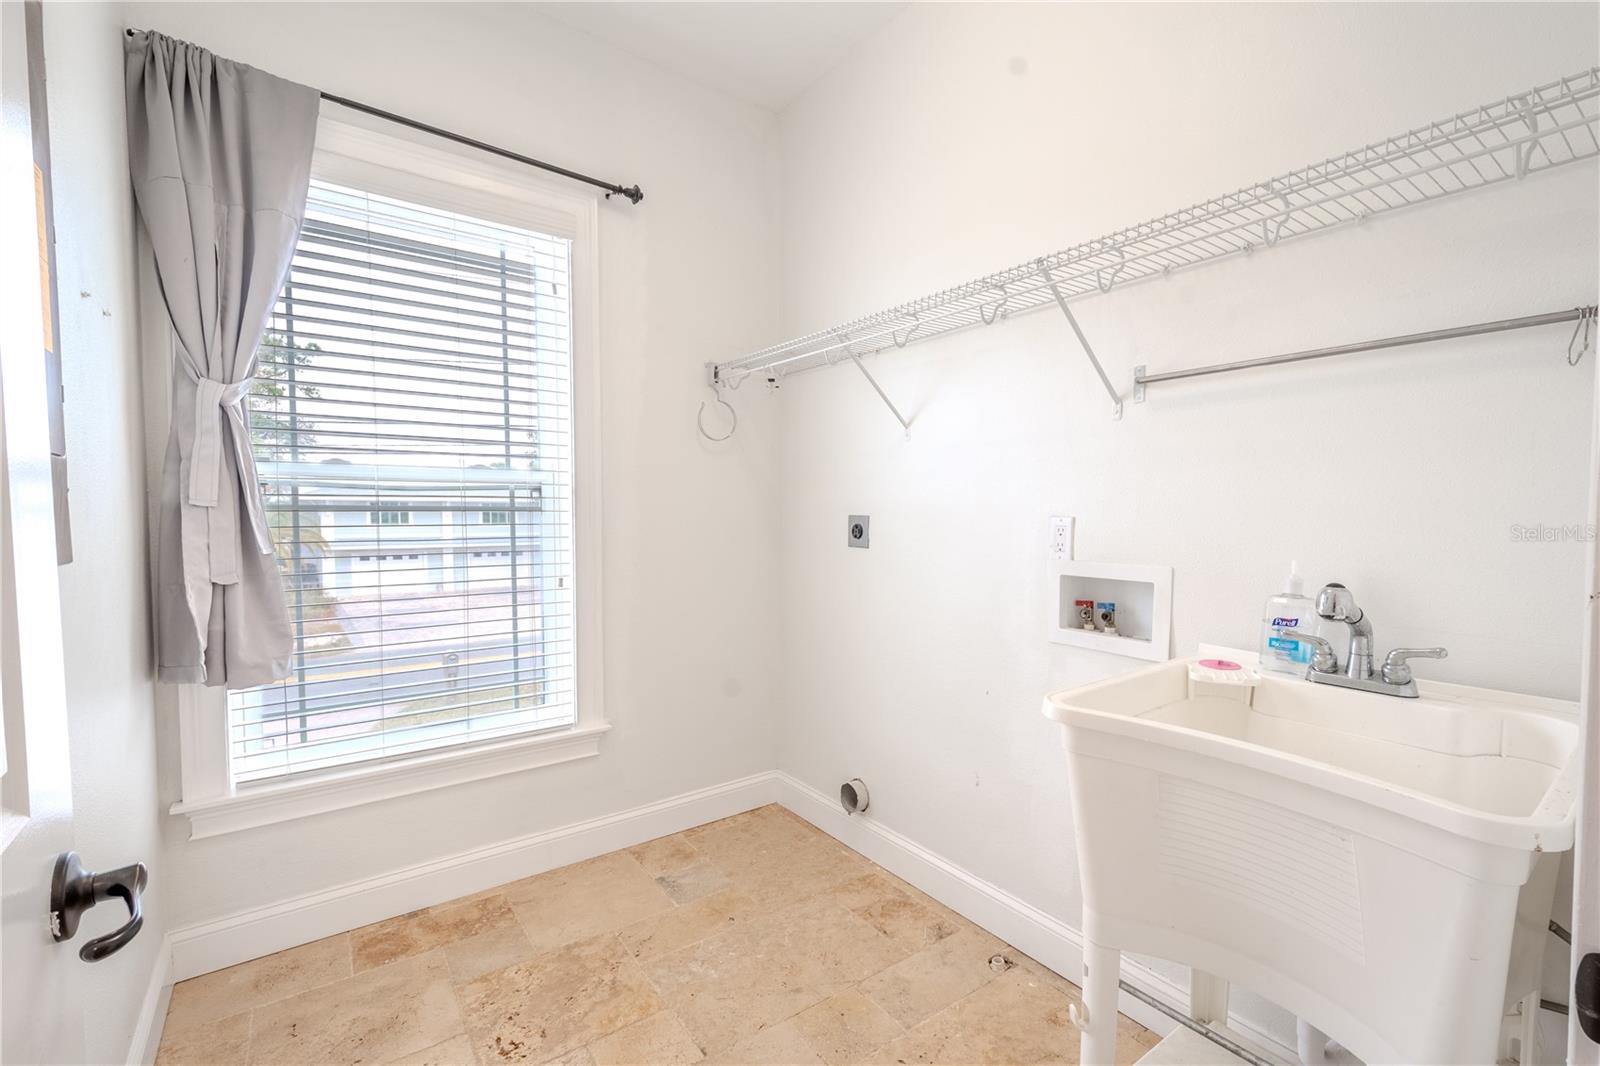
{"x":225,"y":399}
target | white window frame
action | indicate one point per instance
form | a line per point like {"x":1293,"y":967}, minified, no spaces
{"x":369,"y":155}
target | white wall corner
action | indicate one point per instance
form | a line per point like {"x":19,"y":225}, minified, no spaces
{"x":146,"y":1037}
{"x":1035,"y":932}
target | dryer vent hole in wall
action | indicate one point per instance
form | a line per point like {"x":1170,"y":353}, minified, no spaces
{"x":853,"y":796}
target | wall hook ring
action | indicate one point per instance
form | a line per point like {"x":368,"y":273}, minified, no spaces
{"x":700,"y":418}
{"x":1585,"y":329}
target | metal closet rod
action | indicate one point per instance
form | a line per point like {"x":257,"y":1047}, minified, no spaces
{"x":1574,"y":314}
{"x":632,"y":192}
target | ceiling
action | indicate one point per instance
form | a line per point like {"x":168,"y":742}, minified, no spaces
{"x":763,"y":53}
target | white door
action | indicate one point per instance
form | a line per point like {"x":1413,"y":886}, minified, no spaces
{"x":41,"y":1013}
{"x":1581,"y":1049}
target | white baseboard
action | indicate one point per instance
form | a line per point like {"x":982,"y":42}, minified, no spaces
{"x":158,"y":991}
{"x":1035,"y":932}
{"x":237,"y":938}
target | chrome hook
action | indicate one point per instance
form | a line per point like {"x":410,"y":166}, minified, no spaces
{"x":700,"y":417}
{"x":1585,"y":328}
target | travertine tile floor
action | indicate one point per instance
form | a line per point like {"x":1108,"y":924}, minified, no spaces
{"x":756,"y":939}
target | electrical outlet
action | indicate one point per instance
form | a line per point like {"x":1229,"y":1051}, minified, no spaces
{"x":1061,"y":531}
{"x":858,"y":531}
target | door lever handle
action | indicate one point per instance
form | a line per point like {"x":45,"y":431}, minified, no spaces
{"x":74,"y":890}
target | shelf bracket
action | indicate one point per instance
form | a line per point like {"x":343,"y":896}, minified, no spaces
{"x":1524,"y":152}
{"x":898,"y":417}
{"x":1272,"y":228}
{"x":1061,"y":302}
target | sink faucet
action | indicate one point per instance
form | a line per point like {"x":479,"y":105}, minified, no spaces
{"x":1336,"y":604}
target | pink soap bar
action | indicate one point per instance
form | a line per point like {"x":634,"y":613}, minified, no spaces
{"x":1219,"y":664}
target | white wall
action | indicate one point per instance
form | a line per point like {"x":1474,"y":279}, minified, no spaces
{"x":689,"y":611}
{"x":104,"y":604}
{"x":739,"y":631}
{"x":965,"y":138}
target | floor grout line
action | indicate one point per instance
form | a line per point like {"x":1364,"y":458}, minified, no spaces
{"x":455,"y":994}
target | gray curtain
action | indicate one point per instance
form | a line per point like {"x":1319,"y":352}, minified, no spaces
{"x":220,"y":155}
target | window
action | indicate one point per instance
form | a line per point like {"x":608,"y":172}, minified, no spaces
{"x":416,"y":376}
{"x":390,"y":382}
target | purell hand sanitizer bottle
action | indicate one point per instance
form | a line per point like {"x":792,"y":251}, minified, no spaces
{"x":1290,"y":609}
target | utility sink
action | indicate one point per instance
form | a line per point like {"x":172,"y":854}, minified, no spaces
{"x":1493,"y":765}
{"x":1361,"y":859}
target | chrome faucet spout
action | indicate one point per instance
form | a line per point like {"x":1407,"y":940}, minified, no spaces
{"x":1336,"y":604}
{"x":1359,"y":664}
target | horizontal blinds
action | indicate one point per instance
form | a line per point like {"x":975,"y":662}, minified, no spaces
{"x":412,"y":431}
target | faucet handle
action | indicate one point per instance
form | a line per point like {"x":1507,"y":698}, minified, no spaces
{"x":1397,"y":671}
{"x":1323,"y":661}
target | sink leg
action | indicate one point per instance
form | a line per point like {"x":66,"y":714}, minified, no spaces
{"x":1528,"y":1031}
{"x":1102,"y":970}
{"x":1208,"y":998}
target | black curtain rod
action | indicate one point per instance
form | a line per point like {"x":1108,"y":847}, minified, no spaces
{"x":633,"y":193}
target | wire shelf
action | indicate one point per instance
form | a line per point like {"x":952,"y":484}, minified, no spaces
{"x":1534,"y":131}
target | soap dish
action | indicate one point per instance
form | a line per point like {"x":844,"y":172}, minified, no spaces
{"x":1223,"y":672}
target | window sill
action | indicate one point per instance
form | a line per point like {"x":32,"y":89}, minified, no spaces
{"x":268,"y":804}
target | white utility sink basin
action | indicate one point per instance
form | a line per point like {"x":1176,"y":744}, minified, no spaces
{"x":1358,"y":858}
